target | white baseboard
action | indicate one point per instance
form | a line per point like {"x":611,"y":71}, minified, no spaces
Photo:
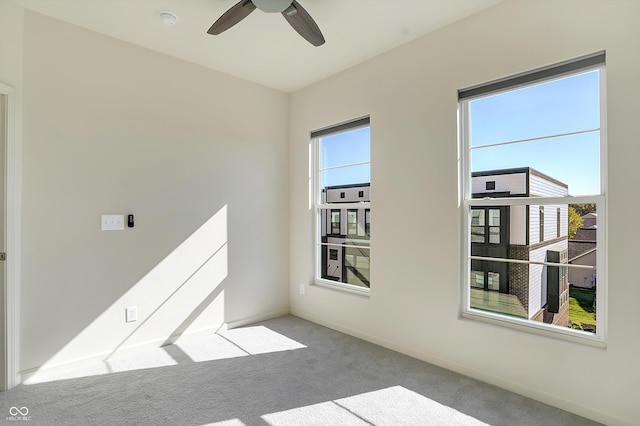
{"x":41,"y":373}
{"x":255,"y":318}
{"x":38,"y":374}
{"x":501,"y":382}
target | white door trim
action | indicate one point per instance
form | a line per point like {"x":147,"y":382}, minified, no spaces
{"x":12,"y":237}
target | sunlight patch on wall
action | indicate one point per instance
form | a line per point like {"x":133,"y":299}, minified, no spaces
{"x":198,"y":347}
{"x":152,"y":358}
{"x":182,"y":293}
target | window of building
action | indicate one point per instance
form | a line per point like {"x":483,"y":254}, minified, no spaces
{"x":342,"y":188}
{"x":494,"y":226}
{"x":541,"y":223}
{"x":477,"y":226}
{"x":352,"y":222}
{"x":538,"y":136}
{"x":335,"y":222}
{"x":367,"y":223}
{"x":333,"y":254}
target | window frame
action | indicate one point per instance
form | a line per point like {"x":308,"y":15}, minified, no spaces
{"x":318,"y":205}
{"x":466,"y":202}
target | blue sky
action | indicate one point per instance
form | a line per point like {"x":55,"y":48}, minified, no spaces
{"x":560,"y":106}
{"x":333,"y":153}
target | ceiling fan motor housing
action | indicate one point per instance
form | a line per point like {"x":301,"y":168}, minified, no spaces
{"x":272,"y":6}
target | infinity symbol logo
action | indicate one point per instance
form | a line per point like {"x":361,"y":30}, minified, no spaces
{"x":14,"y":411}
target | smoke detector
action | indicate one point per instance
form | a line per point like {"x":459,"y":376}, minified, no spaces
{"x":168,"y":18}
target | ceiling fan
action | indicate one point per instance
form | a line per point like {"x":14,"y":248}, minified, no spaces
{"x":295,"y":14}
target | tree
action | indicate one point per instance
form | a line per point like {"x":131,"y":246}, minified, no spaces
{"x":584,"y":208}
{"x":575,"y":221}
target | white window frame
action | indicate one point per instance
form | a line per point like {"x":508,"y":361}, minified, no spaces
{"x":318,"y":206}
{"x":466,"y":202}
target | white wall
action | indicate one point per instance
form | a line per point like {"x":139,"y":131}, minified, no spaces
{"x":538,"y":275}
{"x":411,"y":94}
{"x":199,"y":157}
{"x":514,"y":183}
{"x":541,"y":187}
{"x":518,"y":225}
{"x":550,"y":222}
{"x":583,"y":277}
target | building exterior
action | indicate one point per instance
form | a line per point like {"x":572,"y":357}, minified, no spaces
{"x":582,"y":251}
{"x":537,"y":233}
{"x":345,"y":234}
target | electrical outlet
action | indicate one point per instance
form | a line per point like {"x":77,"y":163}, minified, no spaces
{"x":301,"y":288}
{"x":131,"y":313}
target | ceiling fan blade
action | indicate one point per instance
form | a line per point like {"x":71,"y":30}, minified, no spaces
{"x":303,"y":23}
{"x":237,"y":13}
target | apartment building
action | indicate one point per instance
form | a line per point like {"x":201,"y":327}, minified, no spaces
{"x":345,"y":235}
{"x":524,"y":239}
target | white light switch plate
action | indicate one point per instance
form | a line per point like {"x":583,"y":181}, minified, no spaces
{"x":112,"y":222}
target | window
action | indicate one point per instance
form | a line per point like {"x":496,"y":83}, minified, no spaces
{"x":541,"y":223}
{"x":477,"y":226}
{"x":333,"y":254}
{"x":352,"y":223}
{"x":342,"y":192}
{"x":335,"y":222}
{"x":367,"y":223}
{"x":494,"y":226}
{"x":538,"y":137}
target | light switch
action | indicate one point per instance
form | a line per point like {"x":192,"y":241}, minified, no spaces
{"x":112,"y":222}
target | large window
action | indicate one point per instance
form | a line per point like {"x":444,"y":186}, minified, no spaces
{"x":342,"y":204}
{"x":531,"y":144}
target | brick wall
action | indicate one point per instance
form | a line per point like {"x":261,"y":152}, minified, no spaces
{"x":519,"y":274}
{"x":561,"y":318}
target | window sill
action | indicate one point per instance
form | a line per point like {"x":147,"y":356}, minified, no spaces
{"x":346,"y":288}
{"x":540,"y":329}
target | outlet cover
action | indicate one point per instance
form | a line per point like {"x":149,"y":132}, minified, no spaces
{"x":301,"y":288}
{"x":131,"y":313}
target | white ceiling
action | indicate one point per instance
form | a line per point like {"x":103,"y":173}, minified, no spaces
{"x":263,"y":48}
